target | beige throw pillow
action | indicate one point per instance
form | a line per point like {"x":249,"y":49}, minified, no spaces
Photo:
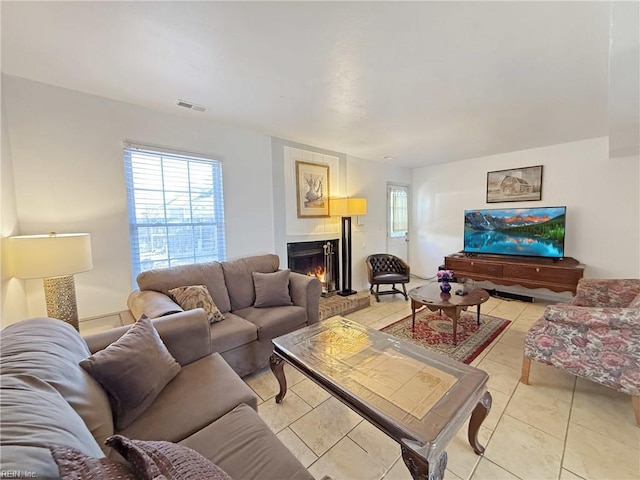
{"x":197,"y":296}
{"x":272,"y":289}
{"x":133,"y":370}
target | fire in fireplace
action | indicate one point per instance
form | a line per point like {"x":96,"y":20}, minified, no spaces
{"x":317,"y":259}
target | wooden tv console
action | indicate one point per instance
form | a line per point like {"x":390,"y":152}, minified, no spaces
{"x":557,"y":275}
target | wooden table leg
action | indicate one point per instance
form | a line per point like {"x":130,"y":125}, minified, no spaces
{"x":413,"y":315}
{"x":477,"y":417}
{"x":478,"y":314}
{"x":277,"y":367}
{"x":419,"y":467}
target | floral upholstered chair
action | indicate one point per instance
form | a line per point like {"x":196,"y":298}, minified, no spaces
{"x":595,"y":336}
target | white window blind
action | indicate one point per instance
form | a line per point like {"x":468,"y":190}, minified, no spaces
{"x":398,"y":212}
{"x":176,"y":210}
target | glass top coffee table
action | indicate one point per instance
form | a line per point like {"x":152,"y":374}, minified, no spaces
{"x":451,"y":304}
{"x":416,"y":396}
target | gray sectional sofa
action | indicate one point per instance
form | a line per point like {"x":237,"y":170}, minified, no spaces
{"x":243,"y":338}
{"x":48,"y":399}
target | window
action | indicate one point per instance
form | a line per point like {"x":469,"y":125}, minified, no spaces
{"x":398,"y":210}
{"x":176,"y":211}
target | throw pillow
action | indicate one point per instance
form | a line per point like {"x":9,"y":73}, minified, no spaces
{"x":272,"y":289}
{"x":75,"y":465}
{"x":197,"y":296}
{"x":176,"y":462}
{"x":133,"y":370}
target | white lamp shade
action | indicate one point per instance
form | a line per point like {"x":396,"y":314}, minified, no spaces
{"x":347,"y":207}
{"x":44,"y":256}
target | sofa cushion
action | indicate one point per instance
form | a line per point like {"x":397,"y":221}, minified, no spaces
{"x":234,"y":332}
{"x":152,"y":459}
{"x":239,"y":280}
{"x":75,"y":465}
{"x":204,"y":390}
{"x":33,"y":416}
{"x":50,"y":350}
{"x":197,"y":296}
{"x":209,"y":274}
{"x":243,"y":446}
{"x":133,"y":370}
{"x":274,"y":321}
{"x":272,"y":289}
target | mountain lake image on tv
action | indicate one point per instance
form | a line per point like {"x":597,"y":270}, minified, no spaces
{"x":535,"y":232}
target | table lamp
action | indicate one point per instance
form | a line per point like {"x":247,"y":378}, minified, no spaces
{"x":347,"y":208}
{"x":54,"y":258}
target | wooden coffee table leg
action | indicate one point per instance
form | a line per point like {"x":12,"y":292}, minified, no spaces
{"x":477,"y":417}
{"x":277,"y":367}
{"x":419,"y":467}
{"x":413,"y":315}
{"x":478,"y":314}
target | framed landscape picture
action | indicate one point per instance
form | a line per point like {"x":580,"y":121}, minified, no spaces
{"x":516,"y":185}
{"x":312,"y":190}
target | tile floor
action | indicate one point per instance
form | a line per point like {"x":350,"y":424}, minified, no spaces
{"x":559,"y":427}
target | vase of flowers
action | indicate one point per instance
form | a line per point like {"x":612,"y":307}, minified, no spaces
{"x":444,"y":277}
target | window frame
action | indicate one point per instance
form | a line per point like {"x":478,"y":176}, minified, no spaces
{"x":203,"y":247}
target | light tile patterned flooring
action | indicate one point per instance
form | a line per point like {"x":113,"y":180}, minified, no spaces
{"x":558,"y":427}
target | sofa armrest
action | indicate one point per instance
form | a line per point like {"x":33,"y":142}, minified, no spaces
{"x":153,"y":304}
{"x":593,"y":317}
{"x":616,"y":293}
{"x":305,"y":292}
{"x":186,"y":335}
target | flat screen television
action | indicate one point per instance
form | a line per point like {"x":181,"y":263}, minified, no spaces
{"x":534,"y":232}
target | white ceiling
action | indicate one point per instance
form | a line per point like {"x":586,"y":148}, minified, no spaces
{"x":423,"y":82}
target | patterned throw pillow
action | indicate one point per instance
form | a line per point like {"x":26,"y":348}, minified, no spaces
{"x":149,"y":459}
{"x":197,"y":296}
{"x":75,"y":465}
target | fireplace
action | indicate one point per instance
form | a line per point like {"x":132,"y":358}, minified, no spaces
{"x":317,"y":259}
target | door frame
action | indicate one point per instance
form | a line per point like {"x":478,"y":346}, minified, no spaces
{"x":388,"y":220}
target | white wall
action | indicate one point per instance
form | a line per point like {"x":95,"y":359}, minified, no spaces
{"x":601,"y":195}
{"x":369,"y":179}
{"x":69,"y":177}
{"x":355,"y":177}
{"x":13,"y":299}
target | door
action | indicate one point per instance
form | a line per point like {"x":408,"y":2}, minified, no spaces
{"x":398,"y":220}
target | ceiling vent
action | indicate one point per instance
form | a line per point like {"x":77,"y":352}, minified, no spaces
{"x":191,"y":106}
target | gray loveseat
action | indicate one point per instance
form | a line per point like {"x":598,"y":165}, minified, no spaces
{"x":243,"y":338}
{"x":48,"y":399}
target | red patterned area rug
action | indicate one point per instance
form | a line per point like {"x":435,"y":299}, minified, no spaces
{"x":435,"y":331}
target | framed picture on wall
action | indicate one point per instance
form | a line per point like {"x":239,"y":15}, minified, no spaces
{"x":515,"y":185}
{"x":312,"y":190}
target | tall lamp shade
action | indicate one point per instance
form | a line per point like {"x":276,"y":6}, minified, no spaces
{"x":347,"y":208}
{"x":55,"y":258}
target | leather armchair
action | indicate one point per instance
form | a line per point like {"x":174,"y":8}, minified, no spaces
{"x":387,"y":269}
{"x":595,"y":336}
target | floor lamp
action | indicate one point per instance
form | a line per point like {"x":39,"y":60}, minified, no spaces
{"x":347,"y":208}
{"x":54,"y":258}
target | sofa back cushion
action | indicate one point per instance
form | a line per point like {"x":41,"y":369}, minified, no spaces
{"x":208,"y":274}
{"x":33,"y":417}
{"x":239,"y":279}
{"x":51,"y":351}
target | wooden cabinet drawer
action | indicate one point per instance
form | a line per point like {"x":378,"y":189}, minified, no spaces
{"x":456,"y":264}
{"x":493,"y":269}
{"x":543,"y":274}
{"x":473,"y":266}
